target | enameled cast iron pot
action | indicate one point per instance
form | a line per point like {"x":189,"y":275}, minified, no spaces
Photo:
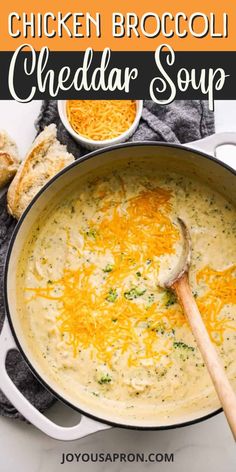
{"x":196,"y":159}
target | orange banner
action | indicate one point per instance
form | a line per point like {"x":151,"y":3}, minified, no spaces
{"x":194,"y":25}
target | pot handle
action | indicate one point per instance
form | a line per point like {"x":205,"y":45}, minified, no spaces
{"x":211,"y":143}
{"x":84,"y":428}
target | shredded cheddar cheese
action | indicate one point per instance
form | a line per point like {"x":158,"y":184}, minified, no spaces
{"x":101,"y":120}
{"x":110,"y":318}
{"x":221,"y":292}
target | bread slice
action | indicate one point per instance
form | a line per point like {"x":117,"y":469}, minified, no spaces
{"x":9,"y":158}
{"x":45,"y":159}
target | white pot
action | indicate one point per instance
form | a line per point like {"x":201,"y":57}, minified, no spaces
{"x":194,"y":158}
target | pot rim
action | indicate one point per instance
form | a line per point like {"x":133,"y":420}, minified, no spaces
{"x":87,"y":156}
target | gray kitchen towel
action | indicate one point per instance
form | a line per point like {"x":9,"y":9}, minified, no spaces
{"x":180,"y":122}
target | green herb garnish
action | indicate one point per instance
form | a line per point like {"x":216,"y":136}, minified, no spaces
{"x":134,"y":292}
{"x":105,"y":379}
{"x":112,"y":295}
{"x":181,"y":345}
{"x":91,"y":233}
{"x":108,"y":268}
{"x":170,"y":298}
{"x":160,"y":328}
{"x":150,"y":300}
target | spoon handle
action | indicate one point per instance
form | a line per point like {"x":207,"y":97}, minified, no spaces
{"x":220,"y":380}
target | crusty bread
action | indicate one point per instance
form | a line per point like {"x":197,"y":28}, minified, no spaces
{"x":9,"y":159}
{"x":45,"y":159}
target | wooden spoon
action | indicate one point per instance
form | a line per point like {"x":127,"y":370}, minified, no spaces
{"x":178,"y":281}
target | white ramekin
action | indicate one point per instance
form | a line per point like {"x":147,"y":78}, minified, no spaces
{"x":90,"y":143}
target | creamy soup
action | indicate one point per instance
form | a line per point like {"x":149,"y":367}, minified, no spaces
{"x":94,"y":315}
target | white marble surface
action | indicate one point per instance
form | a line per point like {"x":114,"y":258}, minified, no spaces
{"x":206,"y":447}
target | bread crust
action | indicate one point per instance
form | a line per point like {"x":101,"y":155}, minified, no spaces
{"x":9,"y":159}
{"x":45,"y":159}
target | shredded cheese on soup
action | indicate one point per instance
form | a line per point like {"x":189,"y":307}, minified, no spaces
{"x":92,"y":306}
